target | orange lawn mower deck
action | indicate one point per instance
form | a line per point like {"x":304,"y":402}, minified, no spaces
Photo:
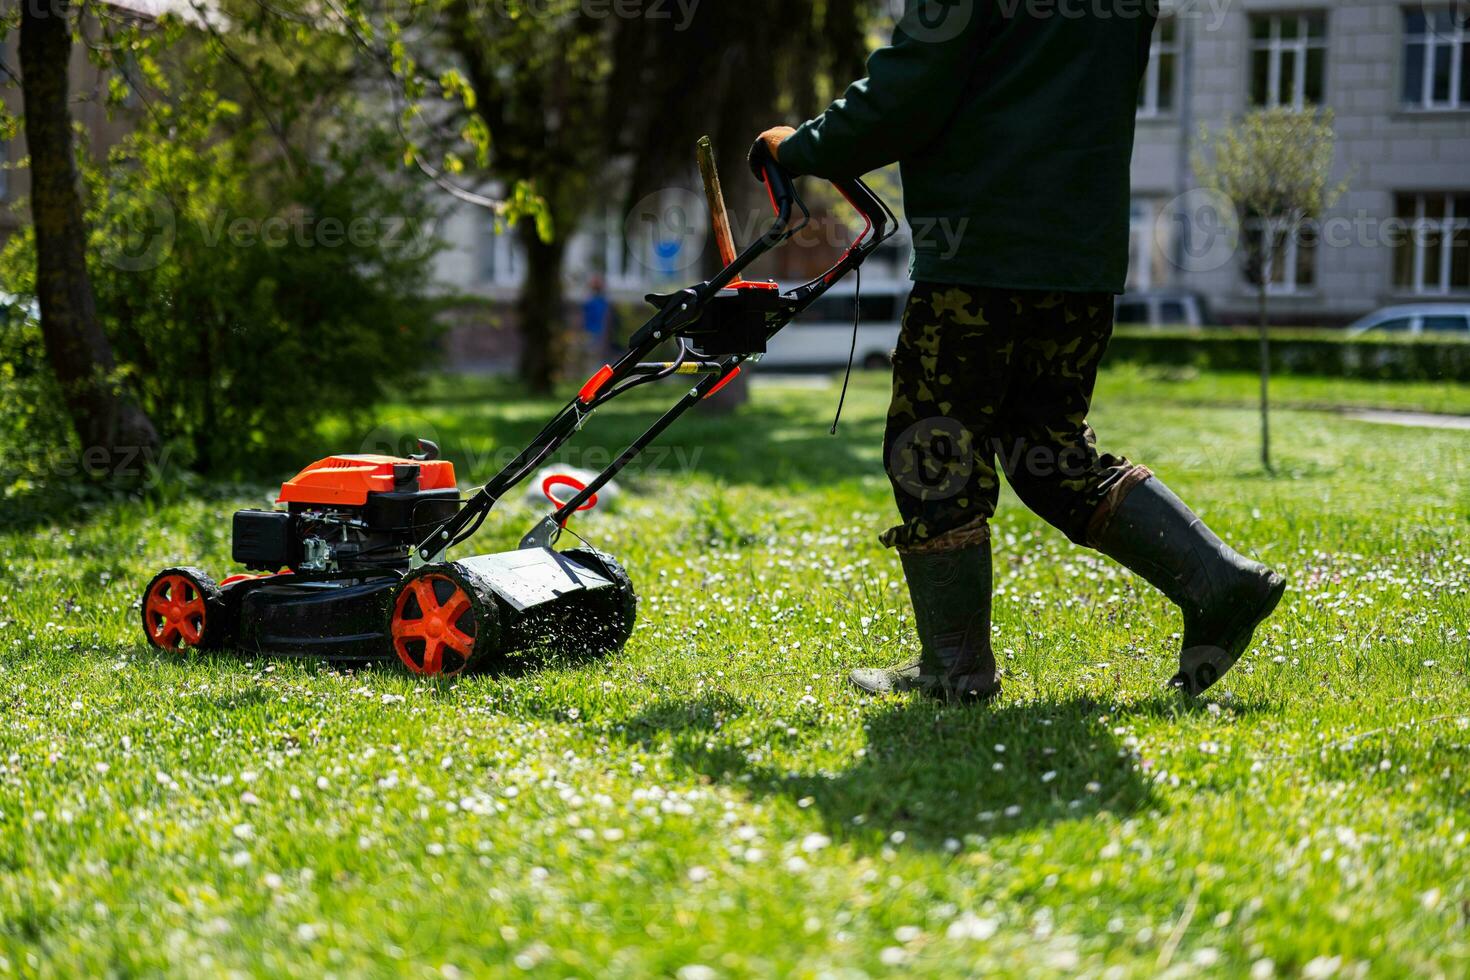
{"x":355,"y":567}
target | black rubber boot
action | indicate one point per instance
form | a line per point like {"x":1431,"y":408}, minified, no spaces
{"x":1223,"y":595}
{"x":951,"y":596}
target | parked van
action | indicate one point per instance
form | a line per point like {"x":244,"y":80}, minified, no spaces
{"x":1161,"y":308}
{"x":820,"y":338}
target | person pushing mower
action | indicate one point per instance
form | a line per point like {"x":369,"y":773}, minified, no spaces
{"x":1013,"y":125}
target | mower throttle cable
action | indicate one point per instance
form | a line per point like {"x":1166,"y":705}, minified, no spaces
{"x":857,"y":300}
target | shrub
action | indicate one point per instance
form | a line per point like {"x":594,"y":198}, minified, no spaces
{"x":33,"y":427}
{"x":1301,"y":351}
{"x":247,"y":291}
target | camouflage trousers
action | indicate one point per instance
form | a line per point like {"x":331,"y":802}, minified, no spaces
{"x":998,"y":376}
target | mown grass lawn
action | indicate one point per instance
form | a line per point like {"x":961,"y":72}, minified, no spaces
{"x":715,"y":801}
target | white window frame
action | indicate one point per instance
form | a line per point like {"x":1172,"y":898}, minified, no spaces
{"x":1447,"y":228}
{"x":1434,"y":40}
{"x":1150,"y":109}
{"x":1288,"y":262}
{"x":1276,"y":46}
{"x":1142,"y":220}
{"x":503,"y":251}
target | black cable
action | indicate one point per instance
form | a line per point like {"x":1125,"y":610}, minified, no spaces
{"x":674,"y":366}
{"x":857,"y":300}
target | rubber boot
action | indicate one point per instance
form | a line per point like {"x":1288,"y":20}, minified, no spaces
{"x":950,"y":591}
{"x":1223,"y":595}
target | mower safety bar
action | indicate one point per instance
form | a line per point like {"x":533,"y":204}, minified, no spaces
{"x":677,"y":311}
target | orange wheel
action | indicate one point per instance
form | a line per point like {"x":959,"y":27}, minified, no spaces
{"x":179,"y":607}
{"x":442,"y":622}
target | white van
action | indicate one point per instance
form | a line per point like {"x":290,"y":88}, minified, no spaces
{"x":821,"y":337}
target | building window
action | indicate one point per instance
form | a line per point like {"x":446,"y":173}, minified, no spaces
{"x":1288,"y":59}
{"x":1156,"y":91}
{"x":1146,"y":256}
{"x":1434,"y":257}
{"x":1294,"y":270}
{"x":495,"y":255}
{"x":1436,"y":59}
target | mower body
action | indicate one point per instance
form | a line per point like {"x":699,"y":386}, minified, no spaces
{"x":334,"y":580}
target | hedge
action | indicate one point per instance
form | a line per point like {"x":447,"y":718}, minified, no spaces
{"x":1329,"y":353}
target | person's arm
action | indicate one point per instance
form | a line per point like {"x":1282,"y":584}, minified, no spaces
{"x":911,"y":90}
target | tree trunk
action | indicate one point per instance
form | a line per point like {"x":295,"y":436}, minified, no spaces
{"x":1263,"y":299}
{"x":543,"y":334}
{"x":107,"y":421}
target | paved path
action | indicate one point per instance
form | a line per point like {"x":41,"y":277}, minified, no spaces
{"x":1422,"y":420}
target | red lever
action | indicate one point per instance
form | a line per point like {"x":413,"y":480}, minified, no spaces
{"x":563,"y":480}
{"x":723,"y":381}
{"x":594,"y":384}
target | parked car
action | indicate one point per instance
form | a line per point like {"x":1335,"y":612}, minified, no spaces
{"x":1162,"y":308}
{"x":821,"y":337}
{"x":1439,"y":319}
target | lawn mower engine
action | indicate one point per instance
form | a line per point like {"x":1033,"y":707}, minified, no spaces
{"x":348,"y":512}
{"x":334,"y":580}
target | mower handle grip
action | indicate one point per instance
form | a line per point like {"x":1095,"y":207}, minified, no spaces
{"x":778,"y":180}
{"x":782,"y":187}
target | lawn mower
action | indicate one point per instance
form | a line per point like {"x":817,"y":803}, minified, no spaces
{"x":355,"y":568}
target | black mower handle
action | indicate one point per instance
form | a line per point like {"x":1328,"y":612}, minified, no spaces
{"x":866,"y":203}
{"x":782,"y":187}
{"x":778,"y":180}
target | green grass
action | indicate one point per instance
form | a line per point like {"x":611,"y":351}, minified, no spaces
{"x":714,"y":800}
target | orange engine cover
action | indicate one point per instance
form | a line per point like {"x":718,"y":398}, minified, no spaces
{"x":347,"y":480}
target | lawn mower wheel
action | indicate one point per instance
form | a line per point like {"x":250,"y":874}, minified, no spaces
{"x":444,"y":621}
{"x":183,"y":605}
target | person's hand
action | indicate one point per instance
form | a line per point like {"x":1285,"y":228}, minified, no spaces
{"x":773,"y":137}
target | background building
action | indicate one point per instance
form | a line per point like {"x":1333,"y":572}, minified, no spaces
{"x":1396,"y":75}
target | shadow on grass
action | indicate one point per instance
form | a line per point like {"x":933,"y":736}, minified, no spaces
{"x":927,"y":770}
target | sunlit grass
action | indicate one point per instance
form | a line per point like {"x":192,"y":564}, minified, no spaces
{"x":715,"y":800}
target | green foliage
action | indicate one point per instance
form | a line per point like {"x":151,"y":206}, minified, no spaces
{"x":1274,"y":164}
{"x":252,"y":300}
{"x":1274,"y":167}
{"x":33,"y":425}
{"x":257,"y":262}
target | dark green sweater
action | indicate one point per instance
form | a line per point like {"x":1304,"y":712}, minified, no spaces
{"x":1013,"y":122}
